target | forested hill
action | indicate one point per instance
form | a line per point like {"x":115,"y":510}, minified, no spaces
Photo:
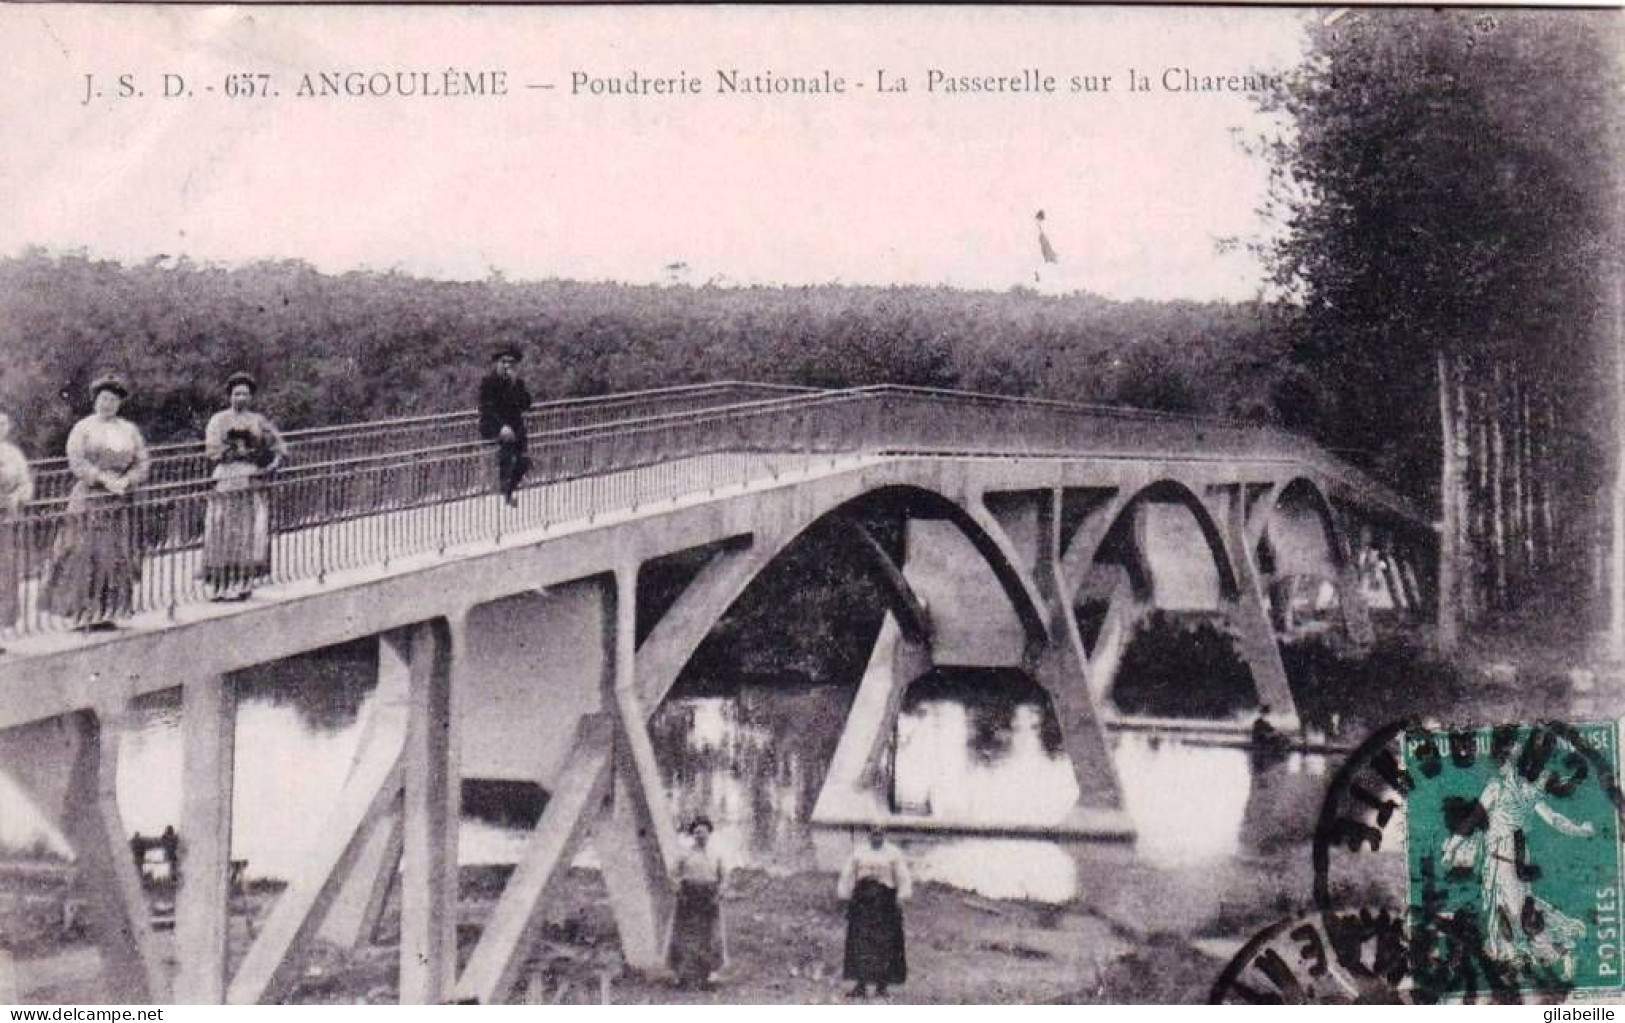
{"x":364,"y":345}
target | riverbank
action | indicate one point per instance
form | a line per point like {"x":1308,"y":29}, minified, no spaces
{"x":785,"y":937}
{"x":1141,"y":927}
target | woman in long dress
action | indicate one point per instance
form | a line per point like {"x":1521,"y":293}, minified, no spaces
{"x":1510,"y":801}
{"x":96,"y":560}
{"x":697,"y":946}
{"x":16,"y":490}
{"x":243,"y":445}
{"x":874,"y":884}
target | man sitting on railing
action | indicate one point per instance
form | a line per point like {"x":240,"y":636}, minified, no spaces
{"x":504,"y":400}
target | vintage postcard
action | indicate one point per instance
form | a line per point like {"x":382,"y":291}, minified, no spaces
{"x":796,"y":504}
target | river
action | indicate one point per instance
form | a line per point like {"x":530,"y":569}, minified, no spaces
{"x":969,"y":746}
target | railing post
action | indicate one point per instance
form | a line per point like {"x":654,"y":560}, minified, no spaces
{"x":386,"y":515}
{"x":443,"y":508}
{"x":499,"y":504}
{"x":173,"y":561}
{"x":321,"y":530}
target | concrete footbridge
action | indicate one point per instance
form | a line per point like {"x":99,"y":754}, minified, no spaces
{"x":520,"y":642}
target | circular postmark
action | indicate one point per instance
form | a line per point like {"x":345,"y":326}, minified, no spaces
{"x":1299,"y":961}
{"x":1491,"y":856}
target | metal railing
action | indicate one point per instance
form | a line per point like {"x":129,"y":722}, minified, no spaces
{"x":185,"y":460}
{"x":171,"y":544}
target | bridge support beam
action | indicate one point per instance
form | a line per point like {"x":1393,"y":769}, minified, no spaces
{"x":1124,"y":612}
{"x":203,"y":906}
{"x":1246,"y":612}
{"x":1391,"y":578}
{"x":371,"y":793}
{"x":1351,"y":603}
{"x":1079,"y":555}
{"x":1077,"y":570}
{"x":432,"y":802}
{"x":1350,"y":595}
{"x":359,"y":907}
{"x":636,"y":843}
{"x":1420,"y":598}
{"x":673,"y":640}
{"x":1058,"y":663}
{"x":493,"y":968}
{"x":911,"y":615}
{"x":850,"y":795}
{"x":608,"y":784}
{"x":68,"y":766}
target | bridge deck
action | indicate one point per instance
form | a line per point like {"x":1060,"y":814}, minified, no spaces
{"x":397,"y":541}
{"x":372,"y":511}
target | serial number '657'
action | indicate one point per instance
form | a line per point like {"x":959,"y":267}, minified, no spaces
{"x":169,"y":85}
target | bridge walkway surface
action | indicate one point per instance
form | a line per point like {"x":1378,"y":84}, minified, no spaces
{"x":389,"y":541}
{"x":513,"y":642}
{"x":327,"y":514}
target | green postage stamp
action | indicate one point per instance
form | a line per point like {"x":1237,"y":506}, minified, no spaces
{"x":1513,"y":839}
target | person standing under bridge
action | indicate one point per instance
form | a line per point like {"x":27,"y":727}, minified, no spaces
{"x":243,"y":445}
{"x":697,"y":945}
{"x":874,"y":884}
{"x":96,"y":560}
{"x":504,"y":400}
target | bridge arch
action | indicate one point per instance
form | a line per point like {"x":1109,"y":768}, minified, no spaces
{"x":1305,"y":537}
{"x":1120,"y":540}
{"x":672,"y":641}
{"x":1301,"y":492}
{"x":1013,"y":578}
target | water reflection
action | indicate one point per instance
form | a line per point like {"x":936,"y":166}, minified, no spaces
{"x":1187,"y":801}
{"x":967,"y":748}
{"x":980,"y":760}
{"x":754,"y":764}
{"x":289,"y":771}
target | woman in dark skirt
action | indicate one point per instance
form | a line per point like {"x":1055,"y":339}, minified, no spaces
{"x":96,"y":561}
{"x":244,"y":447}
{"x":874,"y":884}
{"x":696,"y":948}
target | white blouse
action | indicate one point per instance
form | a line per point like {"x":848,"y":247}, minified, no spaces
{"x":98,"y":448}
{"x":886,"y":865}
{"x":702,"y":866}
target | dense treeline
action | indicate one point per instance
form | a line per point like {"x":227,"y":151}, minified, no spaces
{"x":1451,"y":193}
{"x":363,"y":345}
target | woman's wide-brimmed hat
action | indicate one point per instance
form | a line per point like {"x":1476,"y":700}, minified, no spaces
{"x":242,"y":377}
{"x":507,"y":352}
{"x":110,"y":382}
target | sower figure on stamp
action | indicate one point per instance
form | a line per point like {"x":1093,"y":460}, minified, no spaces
{"x":1510,"y":803}
{"x":874,"y":884}
{"x":504,"y":400}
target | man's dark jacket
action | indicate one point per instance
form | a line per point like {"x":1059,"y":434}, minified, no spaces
{"x":503,"y":402}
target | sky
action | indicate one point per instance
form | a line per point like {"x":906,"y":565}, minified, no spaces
{"x":868,"y":188}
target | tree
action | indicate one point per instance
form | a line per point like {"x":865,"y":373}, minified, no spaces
{"x":1449,"y":188}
